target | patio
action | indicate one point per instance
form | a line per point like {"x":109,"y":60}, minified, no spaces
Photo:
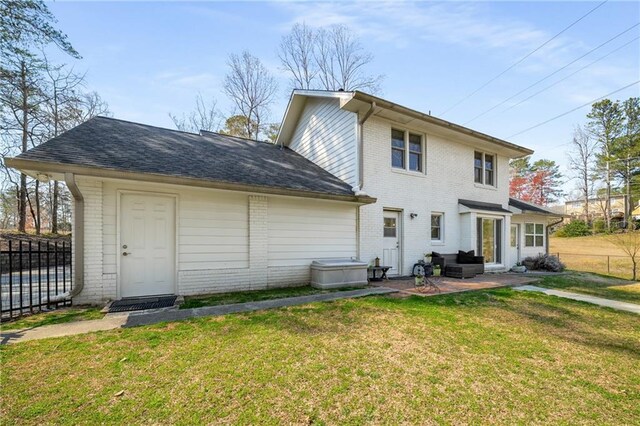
{"x":455,"y":285}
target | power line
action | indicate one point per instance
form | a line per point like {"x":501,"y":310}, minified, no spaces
{"x":524,"y":58}
{"x":570,"y":75}
{"x":553,"y":73}
{"x":574,"y":109}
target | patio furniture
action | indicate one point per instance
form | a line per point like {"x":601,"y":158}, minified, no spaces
{"x":382,"y":269}
{"x":460,"y":265}
{"x":429,"y":281}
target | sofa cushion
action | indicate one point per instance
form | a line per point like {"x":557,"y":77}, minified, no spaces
{"x":466,"y":256}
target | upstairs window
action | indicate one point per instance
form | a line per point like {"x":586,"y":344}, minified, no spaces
{"x":415,"y":152}
{"x":484,"y":166}
{"x":407,"y":151}
{"x":397,"y":148}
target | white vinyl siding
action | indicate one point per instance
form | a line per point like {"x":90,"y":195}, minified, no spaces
{"x":213,"y":227}
{"x":326,"y":135}
{"x":300,"y":231}
{"x":214,"y":231}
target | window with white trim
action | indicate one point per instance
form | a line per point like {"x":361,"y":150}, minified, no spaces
{"x":437,"y":227}
{"x":534,"y":235}
{"x":407,"y":150}
{"x":484,"y":166}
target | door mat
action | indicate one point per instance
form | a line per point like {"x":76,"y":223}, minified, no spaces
{"x":142,"y":303}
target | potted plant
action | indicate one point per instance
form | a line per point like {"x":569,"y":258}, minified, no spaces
{"x":427,"y":257}
{"x":519,"y":268}
{"x":419,"y":280}
{"x":437,"y":271}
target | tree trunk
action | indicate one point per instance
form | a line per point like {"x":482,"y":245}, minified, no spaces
{"x":22,"y":202}
{"x":54,"y":208}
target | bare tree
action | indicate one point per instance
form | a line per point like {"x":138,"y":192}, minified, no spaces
{"x":205,"y":117}
{"x":341,"y":61}
{"x":582,"y":161}
{"x":21,"y":96}
{"x":251,"y":87}
{"x":327,"y":58}
{"x":297,"y":56}
{"x":58,"y":115}
{"x":629,"y":243}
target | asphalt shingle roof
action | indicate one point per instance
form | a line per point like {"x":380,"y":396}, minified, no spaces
{"x":481,"y":205}
{"x":525,"y":206}
{"x":113,"y":144}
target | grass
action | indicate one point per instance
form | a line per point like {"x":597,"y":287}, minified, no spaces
{"x":595,"y":285}
{"x":589,"y":254}
{"x":496,"y":356}
{"x":250,"y":296}
{"x":58,"y":316}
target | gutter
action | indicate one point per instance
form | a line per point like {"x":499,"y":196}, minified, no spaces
{"x":78,"y":240}
{"x":365,"y":97}
{"x":102,"y":172}
{"x":360,"y":137}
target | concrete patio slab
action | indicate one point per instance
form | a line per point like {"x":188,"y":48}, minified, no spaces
{"x":448,"y":285}
{"x":614,"y":304}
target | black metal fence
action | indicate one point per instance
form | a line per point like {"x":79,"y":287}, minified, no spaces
{"x":31,"y":274}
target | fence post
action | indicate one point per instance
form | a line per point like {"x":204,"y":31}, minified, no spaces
{"x":20,"y":274}
{"x":558,"y":255}
{"x":10,"y":281}
{"x":40,"y":275}
{"x":30,"y":280}
{"x":608,"y":264}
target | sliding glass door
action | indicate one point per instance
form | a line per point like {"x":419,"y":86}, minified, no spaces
{"x":489,"y":239}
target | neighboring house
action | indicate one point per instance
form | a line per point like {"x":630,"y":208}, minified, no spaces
{"x":636,"y":212}
{"x":575,"y":209}
{"x":160,"y":211}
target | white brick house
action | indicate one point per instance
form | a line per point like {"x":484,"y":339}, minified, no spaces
{"x":421,"y":170}
{"x":159,"y":211}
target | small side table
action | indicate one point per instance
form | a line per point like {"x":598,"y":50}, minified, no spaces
{"x":382,"y":269}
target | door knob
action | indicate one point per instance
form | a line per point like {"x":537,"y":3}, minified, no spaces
{"x":124,"y":253}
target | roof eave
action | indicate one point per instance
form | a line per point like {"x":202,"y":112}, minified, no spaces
{"x":382,"y":103}
{"x":51,"y":167}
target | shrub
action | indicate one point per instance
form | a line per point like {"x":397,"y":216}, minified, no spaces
{"x":544,"y":262}
{"x":599,"y":226}
{"x":577,"y":228}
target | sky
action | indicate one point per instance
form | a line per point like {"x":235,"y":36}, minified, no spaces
{"x":149,"y":59}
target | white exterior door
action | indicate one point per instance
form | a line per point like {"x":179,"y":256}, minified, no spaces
{"x":514,"y":244}
{"x":391,"y":242}
{"x":147,"y":245}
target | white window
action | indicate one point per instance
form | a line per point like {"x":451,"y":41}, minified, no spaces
{"x":437,"y":227}
{"x":397,"y":148}
{"x":484,"y":166}
{"x":534,"y":235}
{"x":411,"y":158}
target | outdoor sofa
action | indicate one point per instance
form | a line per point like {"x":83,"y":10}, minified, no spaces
{"x":460,"y":265}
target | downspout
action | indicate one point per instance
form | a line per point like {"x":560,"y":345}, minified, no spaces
{"x":360,"y":136}
{"x":78,"y":237}
{"x":358,"y":189}
{"x":547,"y":234}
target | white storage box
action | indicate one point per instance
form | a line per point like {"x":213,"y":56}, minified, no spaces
{"x":337,"y":273}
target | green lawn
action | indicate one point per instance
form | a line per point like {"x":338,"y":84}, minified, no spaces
{"x":58,"y":316}
{"x":595,"y":285}
{"x":250,"y":296}
{"x":497,"y":356}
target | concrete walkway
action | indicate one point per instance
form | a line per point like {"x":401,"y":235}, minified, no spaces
{"x":614,"y":304}
{"x":133,"y":319}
